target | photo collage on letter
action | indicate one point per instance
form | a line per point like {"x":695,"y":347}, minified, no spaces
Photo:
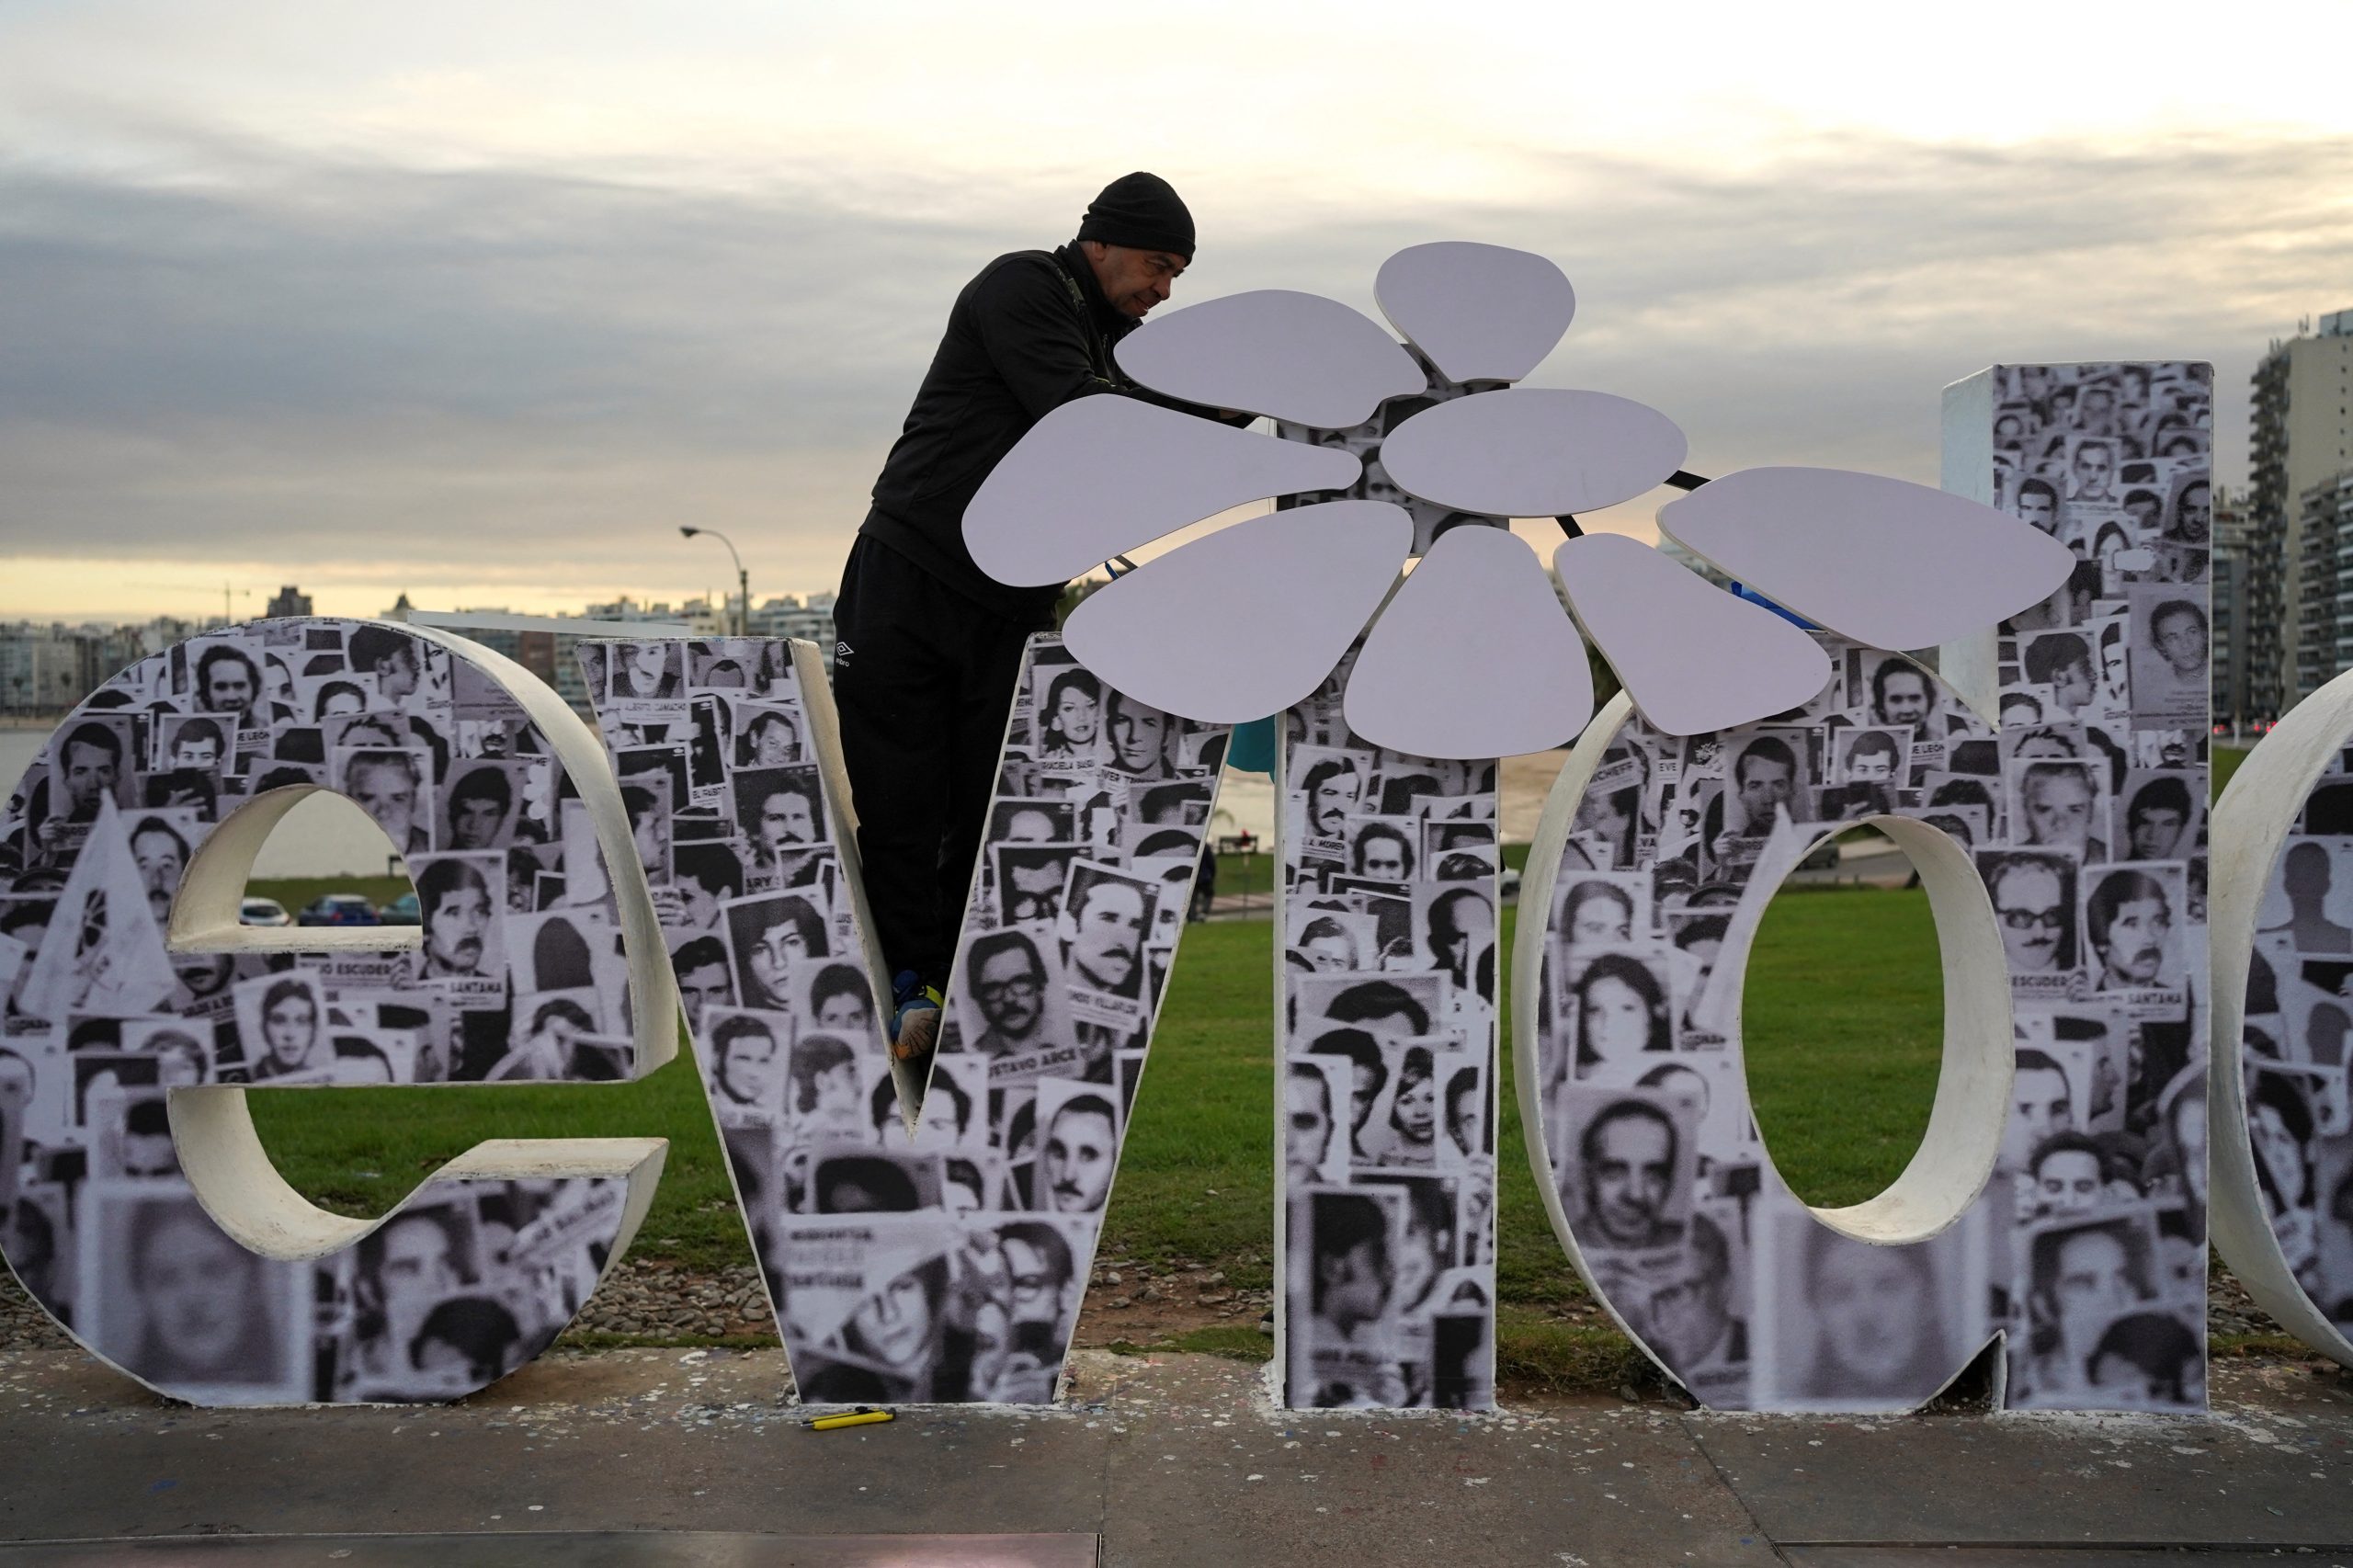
{"x":2084,"y":815}
{"x":518,"y":975}
{"x":1389,"y":916}
{"x":2295,"y":1061}
{"x":945,"y":1265}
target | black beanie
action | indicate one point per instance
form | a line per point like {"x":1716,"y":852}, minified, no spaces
{"x":1143,"y":211}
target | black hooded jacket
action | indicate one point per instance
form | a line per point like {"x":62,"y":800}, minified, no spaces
{"x":1029,"y":334}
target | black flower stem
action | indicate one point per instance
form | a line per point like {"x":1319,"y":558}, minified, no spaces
{"x":1681,"y":479}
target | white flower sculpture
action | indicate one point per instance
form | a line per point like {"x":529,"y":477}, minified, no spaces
{"x":1470,"y":655}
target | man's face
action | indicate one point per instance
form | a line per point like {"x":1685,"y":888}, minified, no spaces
{"x":1904,"y":698}
{"x":1079,"y":1155}
{"x":1111,"y":935}
{"x":1029,"y":827}
{"x":1335,"y":799}
{"x":148,"y":1155}
{"x":2058,"y":807}
{"x":1136,"y":735}
{"x":703,"y":987}
{"x":387,"y":792}
{"x":1011,"y":993}
{"x":2067,"y":1179}
{"x":747,"y":1071}
{"x":2135,"y":950}
{"x":2180,"y":637}
{"x":1308,"y":1136}
{"x":397,"y":674}
{"x":1765,"y":784}
{"x":2142,"y":510}
{"x":1381,"y":856}
{"x":418,"y":1270}
{"x":2093,"y":465}
{"x":1627,"y":1180}
{"x":2155,"y":830}
{"x":698,"y":903}
{"x":229,"y":687}
{"x":1687,"y":1316}
{"x":454,"y":928}
{"x":1870,"y":767}
{"x":1466,"y":1122}
{"x":158,"y":855}
{"x":290,"y":1029}
{"x":2071,"y":684}
{"x":1331,"y":952}
{"x":785,"y":819}
{"x":2037,"y":507}
{"x":1135,"y":280}
{"x":199,"y":752}
{"x":2112,"y":666}
{"x":90,"y":772}
{"x":474,"y":822}
{"x":773,"y":742}
{"x":2044,"y":1104}
{"x":645,"y":661}
{"x":2197,"y":513}
{"x":896,"y":1322}
{"x":1033,"y":891}
{"x":193,"y":1286}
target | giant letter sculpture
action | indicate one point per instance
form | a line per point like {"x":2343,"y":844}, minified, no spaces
{"x":2058,"y":1197}
{"x":150,"y":1220}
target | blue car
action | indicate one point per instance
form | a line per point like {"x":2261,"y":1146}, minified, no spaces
{"x":338,"y":909}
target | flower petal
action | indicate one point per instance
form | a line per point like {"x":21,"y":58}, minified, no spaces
{"x":1248,"y":620}
{"x":1105,"y":474}
{"x":1884,"y":561}
{"x":1693,"y":657}
{"x":1294,"y":356}
{"x":1533,"y":452}
{"x":1481,"y":312}
{"x":1472,"y":658}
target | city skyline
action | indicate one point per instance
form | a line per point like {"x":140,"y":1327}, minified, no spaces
{"x":483,"y":313}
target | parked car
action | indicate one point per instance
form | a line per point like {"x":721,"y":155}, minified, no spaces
{"x":402,"y":910}
{"x":338,"y":909}
{"x":263,"y":911}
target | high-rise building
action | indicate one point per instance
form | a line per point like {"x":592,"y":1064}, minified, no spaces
{"x":2303,"y":437}
{"x":807,"y":616}
{"x":289,"y":600}
{"x":2229,"y":650}
{"x":2325,"y":516}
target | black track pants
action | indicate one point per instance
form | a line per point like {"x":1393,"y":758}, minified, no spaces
{"x":924,"y":679}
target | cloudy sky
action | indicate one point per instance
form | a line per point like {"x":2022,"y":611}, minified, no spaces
{"x":481,"y":301}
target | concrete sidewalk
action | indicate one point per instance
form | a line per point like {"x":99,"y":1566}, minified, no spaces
{"x":1172,"y":1459}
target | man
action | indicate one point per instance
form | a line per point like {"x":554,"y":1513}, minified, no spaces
{"x":147,"y":1146}
{"x":2156,"y":819}
{"x":1139,"y":738}
{"x":391,"y":657}
{"x":2062,"y":661}
{"x":705,"y":874}
{"x":2306,"y":877}
{"x":1766,"y":778}
{"x":2094,"y":466}
{"x":290,"y":1029}
{"x":1108,"y":919}
{"x":2060,"y":804}
{"x":744,"y":1066}
{"x":929,"y":646}
{"x":385,"y":784}
{"x":1082,"y":1148}
{"x":2043,"y":1104}
{"x":700,"y":965}
{"x":788,"y":818}
{"x":1382,"y":853}
{"x":840,"y":1001}
{"x":2066,"y":1173}
{"x":771,"y":740}
{"x":2130,"y":921}
{"x":1382,"y":1007}
{"x":1466,"y":1113}
{"x":1901,"y":694}
{"x":199,"y":744}
{"x":161,"y":855}
{"x":454,"y":898}
{"x":407,"y":1268}
{"x":1038,"y":1269}
{"x":1626,"y":1174}
{"x":1461,"y":931}
{"x":2039,"y":505}
{"x":1010,"y":988}
{"x":1033,"y":885}
{"x":478,"y":803}
{"x":227,"y":682}
{"x":1307,"y":1140}
{"x":90,"y":764}
{"x":1368,"y":1075}
{"x":2177,"y":640}
{"x":1686,"y":1316}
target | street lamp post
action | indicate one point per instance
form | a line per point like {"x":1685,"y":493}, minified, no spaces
{"x":743,"y":579}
